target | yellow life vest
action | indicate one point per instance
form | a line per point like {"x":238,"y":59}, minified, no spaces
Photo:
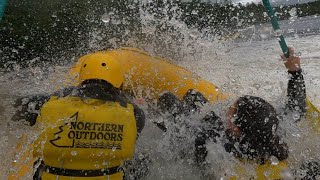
{"x":89,"y":135}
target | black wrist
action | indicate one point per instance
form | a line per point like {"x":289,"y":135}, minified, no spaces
{"x":296,"y":72}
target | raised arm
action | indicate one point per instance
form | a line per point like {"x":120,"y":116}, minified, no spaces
{"x":140,"y":118}
{"x":296,"y":91}
{"x":28,"y":108}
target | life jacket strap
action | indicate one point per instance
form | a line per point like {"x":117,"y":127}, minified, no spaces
{"x":80,"y":173}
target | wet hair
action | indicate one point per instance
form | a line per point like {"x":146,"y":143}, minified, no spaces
{"x":256,"y":117}
{"x":258,"y":122}
{"x":99,"y":89}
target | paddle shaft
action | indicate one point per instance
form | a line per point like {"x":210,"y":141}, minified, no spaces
{"x":2,"y":7}
{"x":276,"y":28}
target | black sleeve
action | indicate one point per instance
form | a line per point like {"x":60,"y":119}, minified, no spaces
{"x":279,"y":149}
{"x":211,"y":130}
{"x":66,"y":91}
{"x":168,"y":102}
{"x":296,"y":93}
{"x":211,"y":124}
{"x":193,"y":100}
{"x":138,"y":113}
{"x":28,"y":108}
{"x":140,"y":118}
{"x":200,"y":148}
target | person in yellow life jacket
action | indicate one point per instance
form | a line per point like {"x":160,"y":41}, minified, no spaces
{"x":88,"y":131}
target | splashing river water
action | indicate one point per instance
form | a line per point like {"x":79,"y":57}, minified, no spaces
{"x":241,"y":68}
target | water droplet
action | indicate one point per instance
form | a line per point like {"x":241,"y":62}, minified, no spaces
{"x":315,"y":114}
{"x":194,"y":12}
{"x":278,"y":32}
{"x":296,"y":135}
{"x":141,"y":156}
{"x":267,"y":173}
{"x":263,"y":36}
{"x":290,"y":30}
{"x":286,"y":174}
{"x":257,"y":86}
{"x":274,"y":128}
{"x":114,"y":148}
{"x":14,"y":51}
{"x":74,"y":153}
{"x":194,"y":34}
{"x":274,"y":160}
{"x":105,"y":18}
{"x":293,"y":12}
{"x":296,"y":116}
{"x":265,"y":14}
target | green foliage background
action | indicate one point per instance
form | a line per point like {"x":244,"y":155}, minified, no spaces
{"x":45,"y":31}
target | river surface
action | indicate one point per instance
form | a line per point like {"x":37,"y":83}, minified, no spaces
{"x":293,"y":27}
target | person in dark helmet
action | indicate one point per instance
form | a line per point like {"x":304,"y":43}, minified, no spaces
{"x":252,"y":122}
{"x":90,"y":130}
{"x":257,"y":122}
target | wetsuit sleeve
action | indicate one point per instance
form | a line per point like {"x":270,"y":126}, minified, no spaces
{"x":28,"y":108}
{"x":140,"y":118}
{"x":66,"y":91}
{"x":211,"y":130}
{"x":201,"y":151}
{"x":211,"y":124}
{"x":168,"y":102}
{"x":296,"y":93}
{"x":193,"y":100}
{"x":279,"y":149}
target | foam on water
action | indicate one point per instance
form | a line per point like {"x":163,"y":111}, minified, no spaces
{"x":251,"y":67}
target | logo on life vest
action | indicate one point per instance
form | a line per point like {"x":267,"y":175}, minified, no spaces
{"x":79,"y":134}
